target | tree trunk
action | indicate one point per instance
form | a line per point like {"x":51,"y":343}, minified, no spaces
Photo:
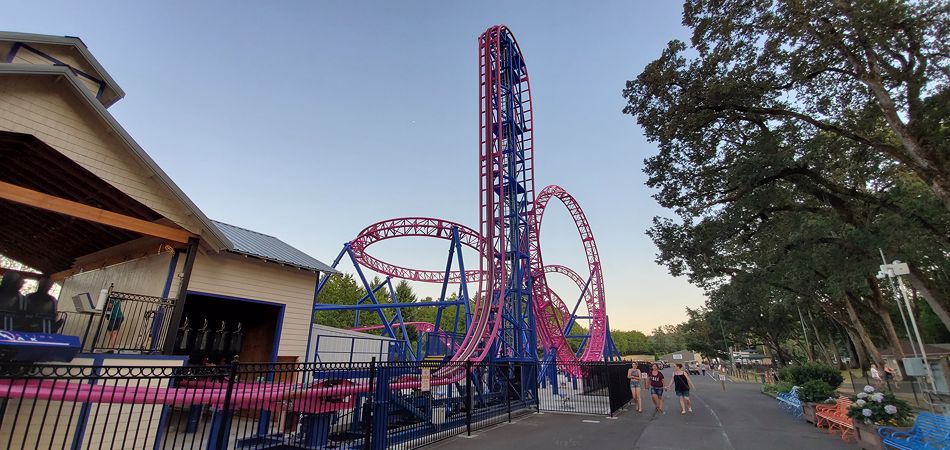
{"x":821,"y":345}
{"x":834,"y":350}
{"x":922,"y":284}
{"x":878,"y":305}
{"x":862,"y":332}
{"x":858,"y":354}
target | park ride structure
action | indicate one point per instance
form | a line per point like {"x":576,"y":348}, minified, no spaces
{"x":489,"y":354}
{"x":513,"y":312}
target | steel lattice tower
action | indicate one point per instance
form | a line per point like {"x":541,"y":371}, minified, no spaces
{"x":507,"y":191}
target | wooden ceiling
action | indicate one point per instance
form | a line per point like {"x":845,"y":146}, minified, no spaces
{"x":49,"y":241}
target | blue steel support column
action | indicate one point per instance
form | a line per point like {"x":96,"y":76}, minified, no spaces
{"x":445,"y":281}
{"x":570,"y":323}
{"x":463,"y":286}
{"x":370,"y":293}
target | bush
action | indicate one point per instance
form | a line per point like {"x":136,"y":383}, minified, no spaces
{"x":773,"y":389}
{"x":879,"y":408}
{"x":815,"y":391}
{"x":799,"y":375}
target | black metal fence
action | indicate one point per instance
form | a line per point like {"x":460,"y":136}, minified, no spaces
{"x":400,"y":405}
{"x":597,"y":388}
{"x":127,"y":323}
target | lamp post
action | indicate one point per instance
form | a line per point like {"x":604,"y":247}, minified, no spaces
{"x":895,"y":270}
{"x":732,"y":358}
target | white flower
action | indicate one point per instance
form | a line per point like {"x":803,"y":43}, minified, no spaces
{"x":878,"y":397}
{"x":862,"y":395}
{"x":890,"y":409}
{"x":866,"y":412}
{"x":860,"y":403}
{"x":869,"y":389}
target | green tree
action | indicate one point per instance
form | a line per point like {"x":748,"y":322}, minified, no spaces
{"x":822,"y":67}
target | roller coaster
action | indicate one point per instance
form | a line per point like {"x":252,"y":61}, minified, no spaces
{"x":514,"y":311}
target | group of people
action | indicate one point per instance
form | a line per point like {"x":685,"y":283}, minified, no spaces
{"x":888,"y":376}
{"x":34,"y":312}
{"x":681,"y":384}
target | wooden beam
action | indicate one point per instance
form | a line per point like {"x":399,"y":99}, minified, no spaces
{"x":23,"y":274}
{"x":70,"y":208}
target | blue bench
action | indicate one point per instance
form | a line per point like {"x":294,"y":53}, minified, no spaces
{"x":789,"y":402}
{"x":929,"y":431}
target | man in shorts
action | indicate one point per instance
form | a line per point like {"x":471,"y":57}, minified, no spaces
{"x":656,"y":388}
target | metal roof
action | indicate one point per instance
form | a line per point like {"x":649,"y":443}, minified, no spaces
{"x":259,"y":245}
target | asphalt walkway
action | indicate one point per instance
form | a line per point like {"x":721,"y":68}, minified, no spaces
{"x":737,"y":419}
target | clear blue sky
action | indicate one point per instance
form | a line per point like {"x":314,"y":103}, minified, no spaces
{"x":311,"y":120}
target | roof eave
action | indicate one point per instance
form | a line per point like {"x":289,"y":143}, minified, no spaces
{"x":328,"y":270}
{"x":74,"y":42}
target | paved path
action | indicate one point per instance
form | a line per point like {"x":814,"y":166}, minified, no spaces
{"x":738,"y":419}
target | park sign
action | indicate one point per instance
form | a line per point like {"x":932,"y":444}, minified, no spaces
{"x":677,"y":356}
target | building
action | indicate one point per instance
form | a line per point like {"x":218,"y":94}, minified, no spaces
{"x":84,"y":204}
{"x":682,"y":356}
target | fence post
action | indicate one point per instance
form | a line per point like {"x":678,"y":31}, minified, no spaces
{"x":537,"y":391}
{"x":223,"y":417}
{"x":381,"y":400}
{"x":102,"y":318}
{"x":610,"y":391}
{"x":368,"y":406}
{"x":508,"y":389}
{"x":468,"y":397}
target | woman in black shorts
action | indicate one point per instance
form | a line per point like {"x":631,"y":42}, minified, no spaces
{"x":681,"y":385}
{"x":656,"y":388}
{"x":633,"y":374}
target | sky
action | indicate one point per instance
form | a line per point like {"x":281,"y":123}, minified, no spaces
{"x":311,"y":120}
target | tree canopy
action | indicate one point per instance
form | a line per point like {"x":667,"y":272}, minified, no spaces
{"x":795,"y":139}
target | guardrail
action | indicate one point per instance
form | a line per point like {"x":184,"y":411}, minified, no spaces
{"x":128,"y":323}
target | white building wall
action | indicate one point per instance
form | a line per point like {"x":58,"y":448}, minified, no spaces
{"x":236,"y":276}
{"x":331,"y":344}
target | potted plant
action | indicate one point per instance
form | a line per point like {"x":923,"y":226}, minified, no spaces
{"x":871,"y":409}
{"x":811,"y":393}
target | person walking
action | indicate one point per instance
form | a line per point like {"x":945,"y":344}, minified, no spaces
{"x":889,"y":378}
{"x":633,"y":373}
{"x":876,"y":376}
{"x":656,"y":388}
{"x":681,"y":384}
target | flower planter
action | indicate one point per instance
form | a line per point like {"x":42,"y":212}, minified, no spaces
{"x":808,"y":412}
{"x":868,"y":438}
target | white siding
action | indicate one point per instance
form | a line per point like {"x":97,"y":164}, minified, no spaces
{"x":145,"y":276}
{"x":52,"y":112}
{"x":236,"y":276}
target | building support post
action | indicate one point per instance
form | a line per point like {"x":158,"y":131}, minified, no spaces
{"x":179,"y":311}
